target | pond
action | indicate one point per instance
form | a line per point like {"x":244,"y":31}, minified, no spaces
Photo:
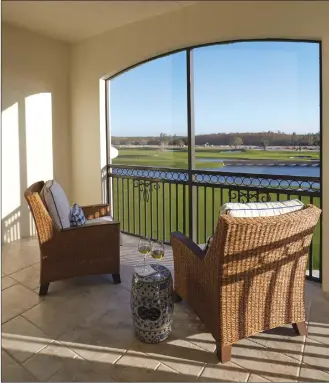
{"x":303,"y":171}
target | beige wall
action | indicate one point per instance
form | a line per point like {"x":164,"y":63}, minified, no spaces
{"x":34,"y":65}
{"x":202,"y":23}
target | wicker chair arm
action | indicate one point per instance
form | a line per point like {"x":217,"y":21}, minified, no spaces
{"x":96,"y":211}
{"x":196,"y":278}
{"x":188,"y":244}
{"x":85,"y":239}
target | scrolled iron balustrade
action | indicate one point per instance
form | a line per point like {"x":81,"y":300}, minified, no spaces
{"x":191,"y":199}
{"x":244,"y":197}
{"x":146,"y":187}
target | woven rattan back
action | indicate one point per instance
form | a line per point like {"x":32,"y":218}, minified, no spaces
{"x":43,"y":222}
{"x":261,"y":264}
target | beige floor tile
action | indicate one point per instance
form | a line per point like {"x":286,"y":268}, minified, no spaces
{"x":186,"y":323}
{"x":49,"y":360}
{"x":122,"y":337}
{"x":91,"y":344}
{"x":317,"y":355}
{"x":37,"y":266}
{"x":137,"y":359}
{"x":131,"y":374}
{"x":319,"y":330}
{"x":203,"y":340}
{"x":51,"y":320}
{"x":11,"y":371}
{"x":134,"y":366}
{"x":282,"y":340}
{"x":313,"y":291}
{"x":16,"y":300}
{"x":79,"y":370}
{"x":21,"y":339}
{"x":257,"y":378}
{"x":48,"y":315}
{"x":7,"y":282}
{"x":262,"y":361}
{"x":17,"y":259}
{"x":178,"y":354}
{"x":166,"y":374}
{"x":227,"y":372}
{"x":120,"y":316}
{"x":92,"y":319}
{"x":310,"y":374}
{"x":29,"y":277}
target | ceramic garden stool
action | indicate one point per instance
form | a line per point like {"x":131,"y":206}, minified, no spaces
{"x":152,"y":305}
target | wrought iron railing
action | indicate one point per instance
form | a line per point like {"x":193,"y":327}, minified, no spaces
{"x":154,"y":202}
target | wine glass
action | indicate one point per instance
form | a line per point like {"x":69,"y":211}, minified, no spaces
{"x":144,"y":247}
{"x":157,"y":254}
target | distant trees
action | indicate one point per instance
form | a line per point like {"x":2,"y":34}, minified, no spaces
{"x":142,"y":141}
{"x":236,"y":141}
{"x":163,"y":140}
{"x":316,"y":139}
{"x":260,"y":139}
{"x":265,"y":143}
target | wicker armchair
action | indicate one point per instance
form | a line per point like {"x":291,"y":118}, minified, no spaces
{"x":76,"y":251}
{"x":252,"y":278}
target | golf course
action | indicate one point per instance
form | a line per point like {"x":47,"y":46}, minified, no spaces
{"x":177,"y":157}
{"x":159,"y":206}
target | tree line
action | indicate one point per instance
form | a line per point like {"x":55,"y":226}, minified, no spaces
{"x":261,"y":139}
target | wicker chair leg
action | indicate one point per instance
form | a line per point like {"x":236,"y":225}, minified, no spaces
{"x":43,"y":289}
{"x":223,"y":352}
{"x":300,"y":328}
{"x":176,"y":297}
{"x":116,"y":279}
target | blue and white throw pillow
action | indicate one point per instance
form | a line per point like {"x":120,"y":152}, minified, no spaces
{"x":77,"y":217}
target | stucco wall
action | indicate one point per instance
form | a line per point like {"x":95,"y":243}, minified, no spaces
{"x":111,"y":52}
{"x":35,"y":93}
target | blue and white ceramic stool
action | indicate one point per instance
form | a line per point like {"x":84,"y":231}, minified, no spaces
{"x":152,"y":305}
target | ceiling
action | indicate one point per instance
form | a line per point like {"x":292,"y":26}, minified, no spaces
{"x":73,"y":21}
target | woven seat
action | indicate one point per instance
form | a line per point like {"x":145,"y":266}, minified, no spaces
{"x":252,"y":278}
{"x":75,"y":251}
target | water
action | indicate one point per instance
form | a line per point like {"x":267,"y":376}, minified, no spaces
{"x":213,"y":159}
{"x":302,"y":171}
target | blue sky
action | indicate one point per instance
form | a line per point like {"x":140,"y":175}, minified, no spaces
{"x":238,"y":87}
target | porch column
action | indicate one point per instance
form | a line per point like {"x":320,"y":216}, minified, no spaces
{"x":325,"y":165}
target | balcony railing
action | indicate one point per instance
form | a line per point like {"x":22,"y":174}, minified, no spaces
{"x":152,"y":202}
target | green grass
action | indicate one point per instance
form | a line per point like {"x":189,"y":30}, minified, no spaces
{"x":167,"y":208}
{"x":178,"y":158}
{"x":164,"y":212}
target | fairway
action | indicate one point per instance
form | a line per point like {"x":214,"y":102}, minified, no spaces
{"x":157,"y":208}
{"x":178,"y":158}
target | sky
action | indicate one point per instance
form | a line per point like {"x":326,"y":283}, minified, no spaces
{"x":237,"y":87}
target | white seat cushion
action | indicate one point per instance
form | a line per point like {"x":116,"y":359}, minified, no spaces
{"x":56,"y":203}
{"x":106,"y":218}
{"x":261,"y":209}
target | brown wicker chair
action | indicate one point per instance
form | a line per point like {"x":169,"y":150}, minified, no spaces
{"x":252,"y":278}
{"x":76,"y":251}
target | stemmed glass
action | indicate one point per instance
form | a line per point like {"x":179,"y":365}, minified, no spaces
{"x":144,"y":247}
{"x":157,"y":254}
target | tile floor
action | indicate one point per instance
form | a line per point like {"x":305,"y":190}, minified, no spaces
{"x":82,"y":331}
